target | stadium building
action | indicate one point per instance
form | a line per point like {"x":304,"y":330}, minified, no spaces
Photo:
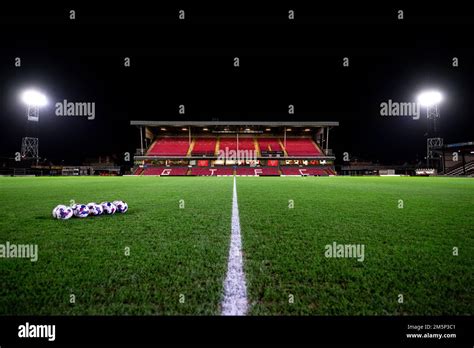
{"x":457,"y":159}
{"x":170,"y":148}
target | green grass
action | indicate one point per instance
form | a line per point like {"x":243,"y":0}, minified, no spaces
{"x":408,"y":251}
{"x":184,"y":251}
{"x":172,"y":251}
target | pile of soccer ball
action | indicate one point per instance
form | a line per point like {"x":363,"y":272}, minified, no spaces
{"x":63,"y":212}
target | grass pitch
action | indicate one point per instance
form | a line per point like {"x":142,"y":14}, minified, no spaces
{"x":408,"y":251}
{"x":178,"y":257}
{"x":173,"y":252}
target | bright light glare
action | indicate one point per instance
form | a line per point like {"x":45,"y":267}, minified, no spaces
{"x":34,"y":98}
{"x":430,"y":98}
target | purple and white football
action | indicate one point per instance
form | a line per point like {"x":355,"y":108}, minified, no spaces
{"x":109,"y":208}
{"x":95,"y":209}
{"x":122,"y":206}
{"x":81,"y":211}
{"x":61,"y":212}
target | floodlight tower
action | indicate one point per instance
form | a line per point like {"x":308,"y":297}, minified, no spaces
{"x":30,"y":144}
{"x":431,"y":100}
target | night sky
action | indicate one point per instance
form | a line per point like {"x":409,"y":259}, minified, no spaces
{"x":191,"y":62}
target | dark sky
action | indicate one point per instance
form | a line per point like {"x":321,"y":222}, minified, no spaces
{"x":190,"y":62}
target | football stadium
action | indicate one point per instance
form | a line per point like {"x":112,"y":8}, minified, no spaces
{"x":311,"y":242}
{"x":152,"y":170}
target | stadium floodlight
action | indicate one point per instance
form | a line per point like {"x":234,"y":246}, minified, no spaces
{"x":430,"y":98}
{"x":34,"y":98}
{"x":30,"y":144}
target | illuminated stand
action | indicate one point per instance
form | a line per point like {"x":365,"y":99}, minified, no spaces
{"x":30,"y":144}
{"x":431,"y":100}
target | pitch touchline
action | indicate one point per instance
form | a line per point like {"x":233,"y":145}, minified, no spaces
{"x":235,"y":288}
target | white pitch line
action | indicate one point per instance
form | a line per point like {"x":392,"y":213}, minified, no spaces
{"x":235,"y":288}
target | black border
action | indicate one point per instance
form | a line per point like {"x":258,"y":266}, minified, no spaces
{"x":191,"y":330}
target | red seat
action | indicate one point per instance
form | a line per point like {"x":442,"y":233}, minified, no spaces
{"x":138,"y":171}
{"x":301,"y":147}
{"x":166,"y":171}
{"x":248,"y":171}
{"x":231,"y":144}
{"x":173,"y":146}
{"x":270,"y":171}
{"x":204,"y":146}
{"x":212,"y":171}
{"x":313,"y":171}
{"x":269,"y":144}
{"x":257,"y":171}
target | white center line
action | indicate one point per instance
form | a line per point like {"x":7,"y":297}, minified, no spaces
{"x":235,"y":288}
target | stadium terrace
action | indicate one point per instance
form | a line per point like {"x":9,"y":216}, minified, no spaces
{"x":170,"y":148}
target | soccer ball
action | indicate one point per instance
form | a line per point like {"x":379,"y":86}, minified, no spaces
{"x":62,"y":212}
{"x":81,"y":211}
{"x":95,"y":209}
{"x":122,"y":207}
{"x":109,"y":208}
